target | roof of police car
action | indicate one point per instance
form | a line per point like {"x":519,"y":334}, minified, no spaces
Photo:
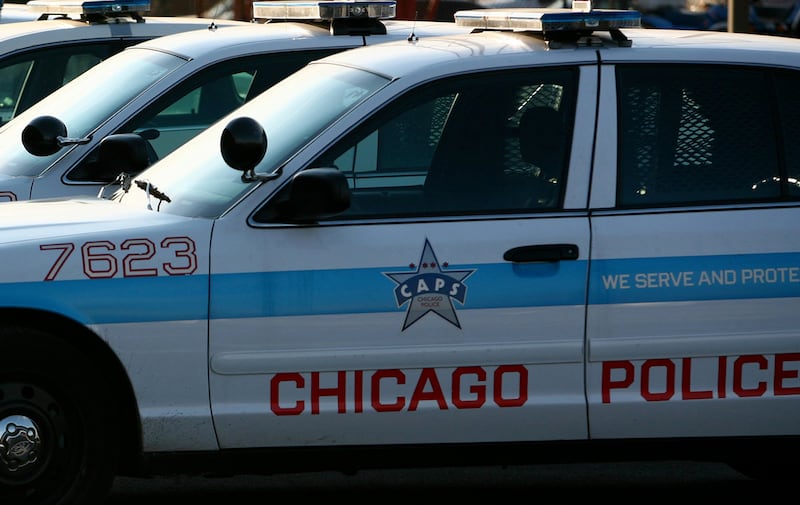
{"x":56,"y":30}
{"x":506,"y":48}
{"x":258,"y":37}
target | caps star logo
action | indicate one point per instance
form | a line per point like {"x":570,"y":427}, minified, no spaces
{"x":430,"y":289}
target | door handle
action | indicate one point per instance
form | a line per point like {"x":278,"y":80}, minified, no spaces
{"x":546,"y":253}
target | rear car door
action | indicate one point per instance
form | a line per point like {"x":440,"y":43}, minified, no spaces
{"x":446,"y":305}
{"x":692,"y":317}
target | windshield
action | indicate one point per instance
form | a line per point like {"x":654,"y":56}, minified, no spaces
{"x":197,"y":180}
{"x":84,"y":104}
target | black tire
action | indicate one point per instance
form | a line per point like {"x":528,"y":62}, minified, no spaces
{"x":53,"y":390}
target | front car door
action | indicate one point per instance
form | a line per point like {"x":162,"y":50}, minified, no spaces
{"x":446,"y":305}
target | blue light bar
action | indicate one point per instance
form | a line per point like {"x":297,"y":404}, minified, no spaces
{"x":548,"y":20}
{"x":90,"y":7}
{"x":325,"y":10}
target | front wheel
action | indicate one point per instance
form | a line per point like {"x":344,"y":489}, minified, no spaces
{"x":56,"y":434}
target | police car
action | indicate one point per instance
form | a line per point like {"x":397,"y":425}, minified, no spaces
{"x":68,"y":37}
{"x":171,"y":88}
{"x":559,"y":236}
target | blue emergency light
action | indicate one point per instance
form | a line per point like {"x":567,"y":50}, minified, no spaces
{"x":324,"y":10}
{"x":108,"y":8}
{"x":581,"y":18}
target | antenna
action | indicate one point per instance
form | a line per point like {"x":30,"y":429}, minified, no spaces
{"x":413,"y":36}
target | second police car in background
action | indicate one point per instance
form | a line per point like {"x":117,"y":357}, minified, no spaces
{"x":171,"y":88}
{"x":560,"y":233}
{"x":38,"y":56}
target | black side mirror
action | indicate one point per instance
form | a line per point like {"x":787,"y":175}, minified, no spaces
{"x":243,"y":144}
{"x":42,"y":136}
{"x":311,"y":195}
{"x":121,"y":152}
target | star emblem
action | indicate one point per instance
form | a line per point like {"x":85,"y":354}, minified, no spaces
{"x":430,"y":289}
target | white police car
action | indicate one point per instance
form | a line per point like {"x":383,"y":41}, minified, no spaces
{"x":502,"y":246}
{"x":37,"y":57}
{"x":171,"y":88}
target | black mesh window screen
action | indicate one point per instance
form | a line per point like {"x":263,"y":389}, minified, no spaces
{"x":788,"y":85}
{"x":694,"y":134}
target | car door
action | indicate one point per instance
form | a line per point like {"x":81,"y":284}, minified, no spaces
{"x":447,"y":304}
{"x":692,"y":317}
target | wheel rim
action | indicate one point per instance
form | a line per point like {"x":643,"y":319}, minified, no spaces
{"x":20,"y":443}
{"x":31,"y":428}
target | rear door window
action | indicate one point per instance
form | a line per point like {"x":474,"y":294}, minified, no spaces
{"x":692,"y":134}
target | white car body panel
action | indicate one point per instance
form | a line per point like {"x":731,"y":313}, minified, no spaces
{"x":330,"y":335}
{"x":151,"y":337}
{"x":14,"y":187}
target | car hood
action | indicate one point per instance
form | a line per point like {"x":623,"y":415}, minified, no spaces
{"x":98,"y":262}
{"x":80,"y":219}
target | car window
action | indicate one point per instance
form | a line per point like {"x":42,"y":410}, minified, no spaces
{"x":320,"y":94}
{"x":28,"y":77}
{"x":787,"y":84}
{"x":197,"y":102}
{"x":85,"y":103}
{"x":12,"y":78}
{"x":493,"y":142}
{"x":693,"y":134}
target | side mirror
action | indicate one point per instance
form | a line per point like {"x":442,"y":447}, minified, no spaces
{"x":42,"y":136}
{"x":311,"y":195}
{"x":45,"y":135}
{"x":243,"y":145}
{"x":121,"y":152}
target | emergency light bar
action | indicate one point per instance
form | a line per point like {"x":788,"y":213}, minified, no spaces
{"x":94,"y":8}
{"x":324,"y":10}
{"x":581,"y":18}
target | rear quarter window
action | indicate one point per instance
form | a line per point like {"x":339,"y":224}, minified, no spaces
{"x":692,"y":134}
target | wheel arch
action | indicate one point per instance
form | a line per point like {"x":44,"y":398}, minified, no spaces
{"x":116,"y":381}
